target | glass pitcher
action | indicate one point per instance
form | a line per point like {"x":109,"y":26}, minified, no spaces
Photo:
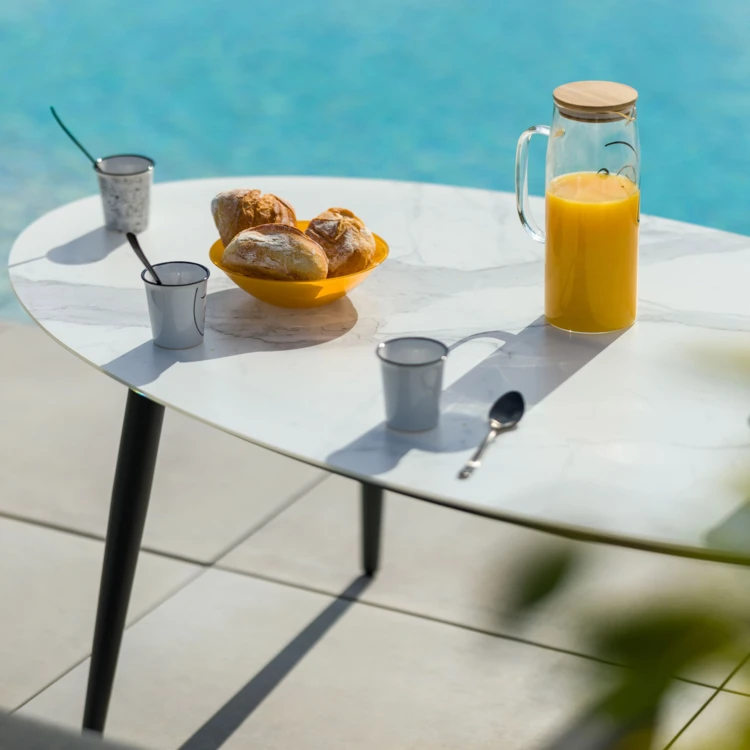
{"x":592,"y":211}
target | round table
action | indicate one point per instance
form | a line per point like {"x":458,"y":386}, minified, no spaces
{"x":638,"y":438}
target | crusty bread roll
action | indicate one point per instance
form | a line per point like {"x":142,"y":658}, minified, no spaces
{"x":276,"y":251}
{"x":235,"y":210}
{"x":347,"y":242}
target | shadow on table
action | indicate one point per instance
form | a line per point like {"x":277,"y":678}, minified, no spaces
{"x":88,"y":248}
{"x":536,"y":361}
{"x":238,"y":324}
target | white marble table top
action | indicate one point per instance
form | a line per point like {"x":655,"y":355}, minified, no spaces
{"x":640,"y":438}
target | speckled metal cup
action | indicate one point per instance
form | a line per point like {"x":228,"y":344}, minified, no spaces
{"x":125,"y":184}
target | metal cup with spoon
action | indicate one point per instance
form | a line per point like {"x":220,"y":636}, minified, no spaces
{"x":124,"y":183}
{"x":176,"y":296}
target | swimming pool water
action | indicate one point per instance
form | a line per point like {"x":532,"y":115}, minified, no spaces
{"x":434,"y":90}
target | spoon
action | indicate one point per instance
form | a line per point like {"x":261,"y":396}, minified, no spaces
{"x":133,"y":240}
{"x":75,"y":140}
{"x":505,"y":413}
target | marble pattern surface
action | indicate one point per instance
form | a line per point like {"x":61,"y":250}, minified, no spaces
{"x":640,"y":436}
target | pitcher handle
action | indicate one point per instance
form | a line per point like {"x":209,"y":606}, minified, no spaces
{"x":522,"y":181}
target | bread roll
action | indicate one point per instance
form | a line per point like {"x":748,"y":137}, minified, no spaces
{"x":347,"y":242}
{"x":235,"y":210}
{"x":276,"y":251}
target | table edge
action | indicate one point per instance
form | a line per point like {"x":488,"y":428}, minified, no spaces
{"x":564,"y":530}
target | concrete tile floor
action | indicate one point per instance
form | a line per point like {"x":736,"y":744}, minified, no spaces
{"x":49,"y":581}
{"x":459,"y":568}
{"x":366,"y":677}
{"x":740,"y":682}
{"x":210,"y":489}
{"x":718,"y":725}
{"x":268,"y":654}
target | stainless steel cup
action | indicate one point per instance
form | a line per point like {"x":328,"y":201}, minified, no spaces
{"x":177,"y":306}
{"x":412,"y":381}
{"x":125,"y":185}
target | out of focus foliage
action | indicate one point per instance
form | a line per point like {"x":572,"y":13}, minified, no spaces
{"x":654,"y":643}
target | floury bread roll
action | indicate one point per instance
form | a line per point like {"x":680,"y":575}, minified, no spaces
{"x":276,"y":251}
{"x":347,"y":242}
{"x":235,"y":210}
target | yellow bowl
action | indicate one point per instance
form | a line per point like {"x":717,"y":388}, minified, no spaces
{"x":300,"y":293}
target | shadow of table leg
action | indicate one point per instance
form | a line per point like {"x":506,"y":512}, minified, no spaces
{"x":136,"y":460}
{"x":372,"y":515}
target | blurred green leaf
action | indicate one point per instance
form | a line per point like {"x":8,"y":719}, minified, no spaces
{"x":595,"y":731}
{"x":540,"y":577}
{"x":655,"y":642}
{"x":661,"y":643}
{"x":637,"y":700}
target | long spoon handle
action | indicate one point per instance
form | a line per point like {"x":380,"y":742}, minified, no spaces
{"x":72,"y":137}
{"x":476,"y":460}
{"x":133,"y":240}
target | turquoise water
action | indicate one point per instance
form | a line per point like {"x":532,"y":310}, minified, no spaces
{"x":434,"y":90}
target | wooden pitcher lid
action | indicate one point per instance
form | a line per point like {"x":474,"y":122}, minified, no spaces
{"x":595,"y":96}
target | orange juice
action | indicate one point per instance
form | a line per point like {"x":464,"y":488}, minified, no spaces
{"x":591,"y":267}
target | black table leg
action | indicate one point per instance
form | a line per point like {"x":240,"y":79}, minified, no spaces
{"x":372,"y":515}
{"x":136,"y":460}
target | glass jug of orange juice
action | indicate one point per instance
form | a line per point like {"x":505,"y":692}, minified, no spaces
{"x":592,"y":207}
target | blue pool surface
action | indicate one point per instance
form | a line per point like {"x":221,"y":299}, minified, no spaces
{"x":434,"y":90}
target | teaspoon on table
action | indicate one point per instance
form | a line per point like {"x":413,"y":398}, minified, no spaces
{"x":133,"y":240}
{"x":505,"y":413}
